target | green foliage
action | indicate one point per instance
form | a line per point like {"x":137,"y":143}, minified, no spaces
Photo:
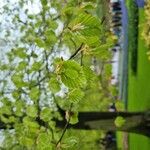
{"x":36,"y":79}
{"x":90,"y":76}
{"x":75,"y":95}
{"x":19,"y":107}
{"x":46,"y":114}
{"x":54,"y":85}
{"x":72,"y":74}
{"x":34,"y":94}
{"x":17,"y":79}
{"x":119,"y":105}
{"x":69,"y":143}
{"x":44,"y":141}
{"x":74,"y":118}
{"x":20,"y":52}
{"x":32,"y":111}
{"x":119,"y":121}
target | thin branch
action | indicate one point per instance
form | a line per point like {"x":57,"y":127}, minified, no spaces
{"x":76,"y":52}
{"x":57,"y":17}
{"x":103,"y":19}
{"x":65,"y":127}
{"x":63,"y":133}
{"x":25,"y":23}
{"x":39,"y":82}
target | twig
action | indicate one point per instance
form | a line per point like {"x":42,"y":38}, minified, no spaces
{"x":76,"y":52}
{"x":36,"y":84}
{"x":103,"y":19}
{"x":65,"y":127}
{"x":25,"y":23}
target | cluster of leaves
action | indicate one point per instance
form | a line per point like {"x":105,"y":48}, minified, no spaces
{"x":39,"y":76}
{"x":146,"y":29}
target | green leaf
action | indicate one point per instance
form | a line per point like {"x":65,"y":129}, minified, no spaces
{"x":70,"y":142}
{"x":86,"y":25}
{"x":75,"y":95}
{"x":72,"y":74}
{"x":90,"y":76}
{"x":119,"y":121}
{"x":51,"y":38}
{"x":36,"y":66}
{"x":17,"y":79}
{"x":32,"y":111}
{"x":88,"y":5}
{"x":28,"y":142}
{"x":4,"y":67}
{"x":53,"y":24}
{"x":119,"y":106}
{"x":54,"y":85}
{"x":74,"y":118}
{"x":4,"y":119}
{"x":46,"y":114}
{"x":20,"y":53}
{"x":44,"y":2}
{"x":6,"y":108}
{"x":19,"y":107}
{"x":12,"y":119}
{"x":44,"y":142}
{"x":30,"y":122}
{"x":92,"y":41}
{"x":16,"y":94}
{"x":40,"y":43}
{"x":34,"y":93}
{"x":22,"y":65}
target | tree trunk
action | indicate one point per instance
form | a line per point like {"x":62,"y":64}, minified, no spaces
{"x":136,"y":122}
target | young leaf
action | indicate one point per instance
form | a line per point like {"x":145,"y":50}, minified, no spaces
{"x":34,"y":94}
{"x":29,"y":122}
{"x":28,"y":142}
{"x":18,"y":80}
{"x":54,"y":85}
{"x":75,"y":95}
{"x":36,"y":66}
{"x":19,"y":52}
{"x":22,"y":65}
{"x":90,"y":75}
{"x":46,"y":114}
{"x":119,"y":121}
{"x":74,"y":118}
{"x":32,"y":111}
{"x":44,"y":142}
{"x":119,"y":106}
{"x":72,"y":74}
{"x":69,"y":142}
{"x":40,"y":43}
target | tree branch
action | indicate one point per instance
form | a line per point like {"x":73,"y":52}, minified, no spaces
{"x":76,"y":52}
{"x":65,"y":127}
